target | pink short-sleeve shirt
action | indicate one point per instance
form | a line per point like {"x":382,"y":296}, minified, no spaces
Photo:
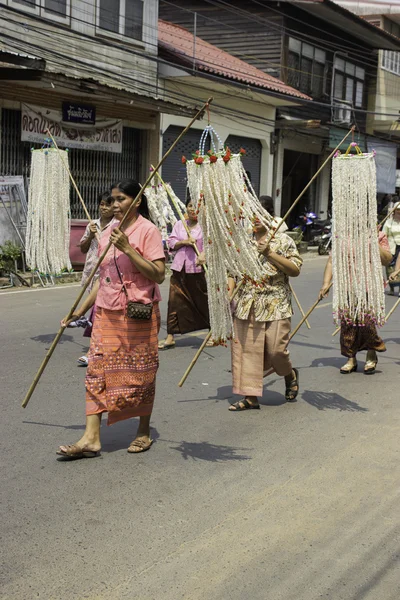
{"x":145,"y":238}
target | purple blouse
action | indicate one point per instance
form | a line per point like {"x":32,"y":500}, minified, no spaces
{"x":185,"y":256}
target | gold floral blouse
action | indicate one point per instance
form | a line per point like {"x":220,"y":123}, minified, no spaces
{"x":273,"y":300}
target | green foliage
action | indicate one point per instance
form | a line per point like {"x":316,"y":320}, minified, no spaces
{"x":9,"y":253}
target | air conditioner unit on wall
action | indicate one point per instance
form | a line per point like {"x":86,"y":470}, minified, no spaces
{"x":341,"y":112}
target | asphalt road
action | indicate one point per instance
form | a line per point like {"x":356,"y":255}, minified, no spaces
{"x":292,"y":502}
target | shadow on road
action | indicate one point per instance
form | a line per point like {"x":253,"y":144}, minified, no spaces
{"x":47,"y":338}
{"x":209,"y":452}
{"x":332,"y":401}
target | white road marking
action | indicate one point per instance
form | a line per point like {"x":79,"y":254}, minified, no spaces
{"x":41,"y":289}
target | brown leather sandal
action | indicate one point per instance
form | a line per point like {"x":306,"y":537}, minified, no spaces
{"x":141,"y":446}
{"x":75,"y":452}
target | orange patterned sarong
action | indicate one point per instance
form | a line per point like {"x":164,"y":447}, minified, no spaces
{"x":123,"y":363}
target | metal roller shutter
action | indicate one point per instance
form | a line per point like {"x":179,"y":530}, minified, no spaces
{"x":174,"y":172}
{"x":251,"y":160}
{"x":93,"y":171}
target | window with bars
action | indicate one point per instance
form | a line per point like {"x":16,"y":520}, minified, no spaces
{"x":306,"y":68}
{"x":348,"y":84}
{"x":391,"y":61}
{"x":121,"y":17}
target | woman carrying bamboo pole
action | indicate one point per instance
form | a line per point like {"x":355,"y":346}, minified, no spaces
{"x":123,"y":354}
{"x":355,"y":338}
{"x":262,"y":316}
{"x":187,"y":303}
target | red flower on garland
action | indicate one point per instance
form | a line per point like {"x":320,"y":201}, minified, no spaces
{"x":209,"y":152}
{"x":227,"y":156}
{"x":199,"y":160}
{"x":242,"y":151}
{"x":197,"y":152}
{"x":213,"y":158}
{"x":184,"y":160}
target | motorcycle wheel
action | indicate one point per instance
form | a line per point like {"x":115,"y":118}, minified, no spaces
{"x":323,"y":249}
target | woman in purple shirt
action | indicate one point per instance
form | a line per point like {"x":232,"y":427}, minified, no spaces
{"x":187,"y":303}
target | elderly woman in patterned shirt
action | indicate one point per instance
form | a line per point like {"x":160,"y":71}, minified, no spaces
{"x":262,"y":318}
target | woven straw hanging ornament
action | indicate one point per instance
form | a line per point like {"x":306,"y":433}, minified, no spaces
{"x":358,"y":296}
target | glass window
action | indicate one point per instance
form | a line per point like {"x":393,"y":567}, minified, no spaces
{"x":350,"y":68}
{"x":29,"y":3}
{"x":57,"y":7}
{"x":339,"y":64}
{"x":305,"y":75}
{"x":320,"y":55}
{"x":109,"y":15}
{"x":307,"y":50}
{"x":360,"y":73}
{"x":294,"y":45}
{"x":134,"y":19}
{"x":349,"y":89}
{"x":338,"y":87}
{"x":359,"y":93}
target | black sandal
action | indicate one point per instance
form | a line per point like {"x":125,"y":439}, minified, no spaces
{"x":246,"y":406}
{"x":290,"y":393}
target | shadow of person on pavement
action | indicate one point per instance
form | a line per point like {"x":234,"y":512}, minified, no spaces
{"x":328,"y":361}
{"x":331,"y":401}
{"x":47,"y":338}
{"x":209,"y":452}
{"x":72,"y":427}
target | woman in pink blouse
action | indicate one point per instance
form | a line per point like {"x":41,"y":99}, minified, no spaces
{"x":123,"y":353}
{"x":188,"y":302}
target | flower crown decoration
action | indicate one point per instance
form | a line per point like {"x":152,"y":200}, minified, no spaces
{"x":212,"y":156}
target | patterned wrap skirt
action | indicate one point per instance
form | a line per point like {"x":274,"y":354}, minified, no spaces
{"x":354,"y":339}
{"x":123,"y":363}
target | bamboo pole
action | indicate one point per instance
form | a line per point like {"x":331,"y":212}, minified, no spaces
{"x":204,"y":343}
{"x":101,"y":258}
{"x":299,"y":305}
{"x":395,"y":207}
{"x":182,"y":381}
{"x":391,"y":311}
{"x":180,"y":215}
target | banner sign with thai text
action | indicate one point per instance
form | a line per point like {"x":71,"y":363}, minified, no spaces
{"x":106,"y":135}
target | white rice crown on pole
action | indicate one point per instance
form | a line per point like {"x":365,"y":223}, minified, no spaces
{"x":48,"y":222}
{"x":358,"y":295}
{"x":227,"y":205}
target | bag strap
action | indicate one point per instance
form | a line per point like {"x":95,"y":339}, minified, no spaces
{"x":120,"y":276}
{"x":122,"y":281}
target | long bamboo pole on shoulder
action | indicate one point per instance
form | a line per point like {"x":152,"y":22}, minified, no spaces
{"x":101,"y":258}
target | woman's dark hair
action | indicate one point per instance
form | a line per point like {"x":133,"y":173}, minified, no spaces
{"x":104,"y":197}
{"x":131,"y":188}
{"x":268,"y":204}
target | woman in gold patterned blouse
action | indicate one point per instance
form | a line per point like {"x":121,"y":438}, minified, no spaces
{"x":262,"y":322}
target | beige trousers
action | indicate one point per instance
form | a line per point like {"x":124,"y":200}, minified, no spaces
{"x":257,"y":347}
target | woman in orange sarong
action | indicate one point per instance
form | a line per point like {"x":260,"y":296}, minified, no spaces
{"x":123,"y":354}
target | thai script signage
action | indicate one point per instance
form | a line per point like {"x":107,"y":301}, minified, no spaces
{"x":78,"y":113}
{"x":106,"y":135}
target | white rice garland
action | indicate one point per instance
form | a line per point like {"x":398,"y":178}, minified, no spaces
{"x":227,"y":205}
{"x":358,"y":295}
{"x":161,"y":212}
{"x":48,"y":222}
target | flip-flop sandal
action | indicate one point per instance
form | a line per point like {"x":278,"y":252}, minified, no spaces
{"x":141,"y":445}
{"x":75,"y":453}
{"x":370,"y":367}
{"x":83,"y":361}
{"x":290,"y":393}
{"x":164,"y":346}
{"x":244,"y":404}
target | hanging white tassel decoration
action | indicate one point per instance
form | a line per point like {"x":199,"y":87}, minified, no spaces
{"x":161,"y":212}
{"x":48,"y":223}
{"x":227,"y":206}
{"x":358,"y":296}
